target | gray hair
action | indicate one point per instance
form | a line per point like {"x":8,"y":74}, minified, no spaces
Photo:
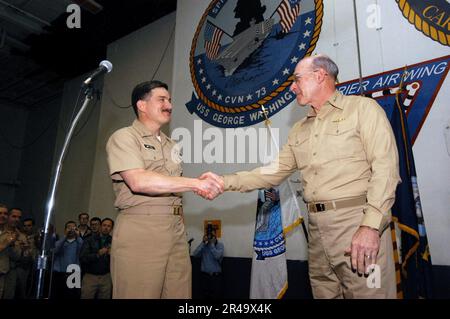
{"x":322,"y":61}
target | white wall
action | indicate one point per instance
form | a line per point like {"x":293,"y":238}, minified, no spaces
{"x":396,"y":44}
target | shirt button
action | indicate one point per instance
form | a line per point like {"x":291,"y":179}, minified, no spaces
{"x":314,"y":193}
{"x":337,"y":131}
{"x":316,"y":135}
{"x":315,"y":173}
{"x":314,"y":154}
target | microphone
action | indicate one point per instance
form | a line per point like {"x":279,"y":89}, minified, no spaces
{"x":104,"y":67}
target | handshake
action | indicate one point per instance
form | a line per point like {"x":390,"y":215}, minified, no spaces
{"x":209,"y":185}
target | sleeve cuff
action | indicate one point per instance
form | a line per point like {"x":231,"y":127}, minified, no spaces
{"x":230,"y":182}
{"x":374,"y":219}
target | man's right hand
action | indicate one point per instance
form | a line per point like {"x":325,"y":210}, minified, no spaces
{"x":210,"y":186}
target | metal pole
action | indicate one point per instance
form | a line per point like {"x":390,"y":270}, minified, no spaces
{"x":42,"y":258}
{"x":357,"y":48}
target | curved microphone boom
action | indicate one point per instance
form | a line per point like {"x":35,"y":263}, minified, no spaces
{"x":104,"y":67}
{"x":43,"y":258}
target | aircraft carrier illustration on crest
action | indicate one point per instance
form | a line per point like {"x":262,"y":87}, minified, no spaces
{"x":243,"y":45}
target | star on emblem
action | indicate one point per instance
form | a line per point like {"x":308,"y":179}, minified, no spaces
{"x":214,"y":92}
{"x":307,"y":33}
{"x":294,"y":59}
{"x":199,"y":61}
{"x":200,"y":71}
{"x":203,"y":79}
{"x":219,"y":98}
{"x":208,"y":86}
{"x":249,"y":97}
{"x":275,"y":82}
{"x":286,"y":71}
{"x":302,"y":46}
{"x":308,"y":21}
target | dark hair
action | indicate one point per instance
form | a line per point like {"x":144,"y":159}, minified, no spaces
{"x":96,"y":219}
{"x":141,"y":91}
{"x":28,"y":219}
{"x":81,"y":214}
{"x":107,"y":218}
{"x":16,"y":208}
{"x":69,"y":222}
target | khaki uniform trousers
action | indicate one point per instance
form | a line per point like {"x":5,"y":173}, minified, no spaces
{"x":330,"y":270}
{"x":99,"y":285}
{"x":150,"y":257}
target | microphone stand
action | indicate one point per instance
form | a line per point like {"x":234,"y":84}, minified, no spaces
{"x":42,"y":261}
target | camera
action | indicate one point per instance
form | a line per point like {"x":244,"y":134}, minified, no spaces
{"x":209,"y":230}
{"x":72,"y":230}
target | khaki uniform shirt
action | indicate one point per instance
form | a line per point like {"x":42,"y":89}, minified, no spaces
{"x":346,"y":150}
{"x":135,"y":147}
{"x":4,"y":256}
{"x":10,"y":254}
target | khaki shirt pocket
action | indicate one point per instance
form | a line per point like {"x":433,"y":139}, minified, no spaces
{"x":149,"y":154}
{"x":300,"y":146}
{"x":342,"y":140}
{"x":153,"y":160}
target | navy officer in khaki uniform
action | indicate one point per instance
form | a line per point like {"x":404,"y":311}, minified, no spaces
{"x":149,"y":253}
{"x":346,"y":153}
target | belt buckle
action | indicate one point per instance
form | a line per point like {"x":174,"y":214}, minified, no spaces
{"x":320,"y":207}
{"x":177,"y":210}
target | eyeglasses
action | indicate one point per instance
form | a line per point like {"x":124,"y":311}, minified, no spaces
{"x":298,"y":76}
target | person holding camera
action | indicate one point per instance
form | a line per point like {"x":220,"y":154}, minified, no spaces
{"x":211,"y":252}
{"x":66,"y":253}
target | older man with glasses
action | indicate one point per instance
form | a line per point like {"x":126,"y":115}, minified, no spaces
{"x":347,"y":156}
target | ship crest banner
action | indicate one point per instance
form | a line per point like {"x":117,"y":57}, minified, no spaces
{"x":243,"y":55}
